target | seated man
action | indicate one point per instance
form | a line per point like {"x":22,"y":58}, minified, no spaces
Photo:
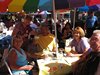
{"x":45,"y":41}
{"x":90,"y":65}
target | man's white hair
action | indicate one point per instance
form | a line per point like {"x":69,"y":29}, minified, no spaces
{"x":96,"y":31}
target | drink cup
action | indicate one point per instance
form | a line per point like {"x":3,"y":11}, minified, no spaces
{"x":67,"y":49}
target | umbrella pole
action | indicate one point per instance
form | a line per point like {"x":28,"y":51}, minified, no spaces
{"x":69,"y":18}
{"x":74,"y":18}
{"x":55,"y":18}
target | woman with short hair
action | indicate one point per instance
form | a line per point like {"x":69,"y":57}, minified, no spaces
{"x":79,"y":42}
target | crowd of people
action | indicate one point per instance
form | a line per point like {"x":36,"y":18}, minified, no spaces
{"x":30,"y":40}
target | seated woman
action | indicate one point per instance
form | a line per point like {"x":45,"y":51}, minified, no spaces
{"x":67,"y":31}
{"x":17,"y":58}
{"x":79,"y":42}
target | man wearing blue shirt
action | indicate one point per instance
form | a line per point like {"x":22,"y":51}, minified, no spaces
{"x":90,"y":23}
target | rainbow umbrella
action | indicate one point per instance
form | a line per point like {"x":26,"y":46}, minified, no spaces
{"x":33,"y":5}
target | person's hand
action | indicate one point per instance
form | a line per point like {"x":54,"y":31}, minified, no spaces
{"x":25,"y":36}
{"x":29,"y":67}
{"x":32,"y":32}
{"x":39,"y":55}
{"x":42,"y":56}
{"x":70,"y":54}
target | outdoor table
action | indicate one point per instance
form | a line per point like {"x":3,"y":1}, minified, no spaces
{"x":56,"y":66}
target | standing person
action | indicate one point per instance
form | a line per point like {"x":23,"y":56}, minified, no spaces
{"x":23,"y":28}
{"x":59,"y":38}
{"x":90,"y":65}
{"x":90,"y":23}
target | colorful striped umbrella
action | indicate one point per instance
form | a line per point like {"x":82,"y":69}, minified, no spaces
{"x":33,"y":5}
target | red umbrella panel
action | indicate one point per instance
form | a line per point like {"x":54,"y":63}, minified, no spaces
{"x":92,"y":2}
{"x":4,"y":4}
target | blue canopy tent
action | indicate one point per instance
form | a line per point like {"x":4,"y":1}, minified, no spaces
{"x":90,"y":8}
{"x":84,"y":8}
{"x":95,"y":7}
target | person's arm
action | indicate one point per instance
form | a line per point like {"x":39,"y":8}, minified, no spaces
{"x":15,"y":31}
{"x":80,"y":55}
{"x":85,"y":47}
{"x":73,"y":53}
{"x":64,"y":34}
{"x":54,"y":45}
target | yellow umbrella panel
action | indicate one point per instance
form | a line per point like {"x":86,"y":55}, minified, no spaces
{"x":16,"y":5}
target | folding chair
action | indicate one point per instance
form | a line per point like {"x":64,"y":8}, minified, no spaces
{"x":5,"y":55}
{"x":8,"y":67}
